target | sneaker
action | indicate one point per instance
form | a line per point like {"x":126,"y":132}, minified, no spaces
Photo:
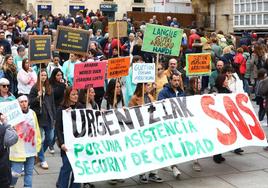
{"x":44,"y":165}
{"x":51,"y":150}
{"x":120,"y":180}
{"x":143,"y":179}
{"x":112,"y":182}
{"x":15,"y":174}
{"x":155,"y":178}
{"x":238,"y":151}
{"x":176,"y":172}
{"x":197,"y":166}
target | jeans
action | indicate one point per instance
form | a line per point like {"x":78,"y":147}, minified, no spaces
{"x":64,"y":176}
{"x":28,"y":165}
{"x":47,"y":137}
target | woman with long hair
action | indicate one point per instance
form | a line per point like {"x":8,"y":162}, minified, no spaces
{"x":113,"y":99}
{"x":136,"y":99}
{"x":58,"y":85}
{"x":41,"y":101}
{"x":26,"y":78}
{"x":90,"y":101}
{"x":10,"y":73}
{"x":70,"y":101}
{"x":113,"y":88}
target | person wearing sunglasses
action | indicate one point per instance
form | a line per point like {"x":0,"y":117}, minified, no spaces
{"x":5,"y":94}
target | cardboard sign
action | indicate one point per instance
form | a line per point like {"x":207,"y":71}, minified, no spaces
{"x":198,"y":64}
{"x":129,"y":141}
{"x":162,"y":39}
{"x":112,"y":28}
{"x":39,"y":49}
{"x":89,"y":74}
{"x":12,"y":111}
{"x":118,"y":67}
{"x":72,"y":40}
{"x":143,"y":73}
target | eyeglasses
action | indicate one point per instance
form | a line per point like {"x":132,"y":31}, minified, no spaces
{"x":5,"y":86}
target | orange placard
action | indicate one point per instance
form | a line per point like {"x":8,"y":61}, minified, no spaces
{"x":198,"y":64}
{"x":118,"y":67}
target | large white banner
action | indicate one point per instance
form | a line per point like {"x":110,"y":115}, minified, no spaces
{"x":121,"y":143}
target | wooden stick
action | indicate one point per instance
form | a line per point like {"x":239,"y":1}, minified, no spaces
{"x":87,"y":96}
{"x":143,"y":93}
{"x":115,"y":96}
{"x":118,"y":40}
{"x":41,"y":87}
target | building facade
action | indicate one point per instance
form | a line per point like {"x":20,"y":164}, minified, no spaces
{"x":114,"y":9}
{"x":214,"y":15}
{"x":250,"y":15}
{"x":173,"y":6}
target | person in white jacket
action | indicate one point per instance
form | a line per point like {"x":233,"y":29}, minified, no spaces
{"x":26,"y":78}
{"x":235,"y":84}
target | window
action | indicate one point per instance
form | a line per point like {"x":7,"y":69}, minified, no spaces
{"x":236,"y":20}
{"x":259,"y":5}
{"x":236,"y":8}
{"x":253,"y":19}
{"x":247,"y":20}
{"x":242,"y":19}
{"x":265,"y":6}
{"x":259,"y":19}
{"x":250,"y":13}
{"x":138,"y":9}
{"x":138,"y":1}
{"x":265,"y":19}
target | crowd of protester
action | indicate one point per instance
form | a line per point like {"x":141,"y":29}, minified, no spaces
{"x":44,"y":91}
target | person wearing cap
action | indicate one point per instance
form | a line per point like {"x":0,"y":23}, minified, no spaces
{"x":18,"y":58}
{"x":22,"y":154}
{"x":5,"y":95}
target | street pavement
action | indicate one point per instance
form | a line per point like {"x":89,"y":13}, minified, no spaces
{"x":249,"y":170}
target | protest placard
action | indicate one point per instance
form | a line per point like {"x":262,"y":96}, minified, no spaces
{"x":39,"y":49}
{"x":162,"y":39}
{"x":118,"y":67}
{"x":72,"y":40}
{"x":198,"y":64}
{"x":112,"y":28}
{"x":89,"y":74}
{"x":12,"y":111}
{"x":129,"y":141}
{"x":143,"y":73}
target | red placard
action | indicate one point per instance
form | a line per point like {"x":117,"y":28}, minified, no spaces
{"x":89,"y":74}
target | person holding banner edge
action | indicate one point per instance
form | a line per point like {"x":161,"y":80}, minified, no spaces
{"x":170,"y":90}
{"x":113,"y":98}
{"x":70,"y":101}
{"x":137,"y":100}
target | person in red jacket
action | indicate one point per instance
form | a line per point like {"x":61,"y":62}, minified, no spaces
{"x":193,"y":37}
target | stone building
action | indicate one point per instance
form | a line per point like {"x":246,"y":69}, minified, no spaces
{"x":114,"y":9}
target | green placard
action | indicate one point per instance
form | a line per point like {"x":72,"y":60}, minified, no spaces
{"x":162,"y":40}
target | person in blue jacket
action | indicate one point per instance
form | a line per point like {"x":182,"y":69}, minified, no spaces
{"x":173,"y":89}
